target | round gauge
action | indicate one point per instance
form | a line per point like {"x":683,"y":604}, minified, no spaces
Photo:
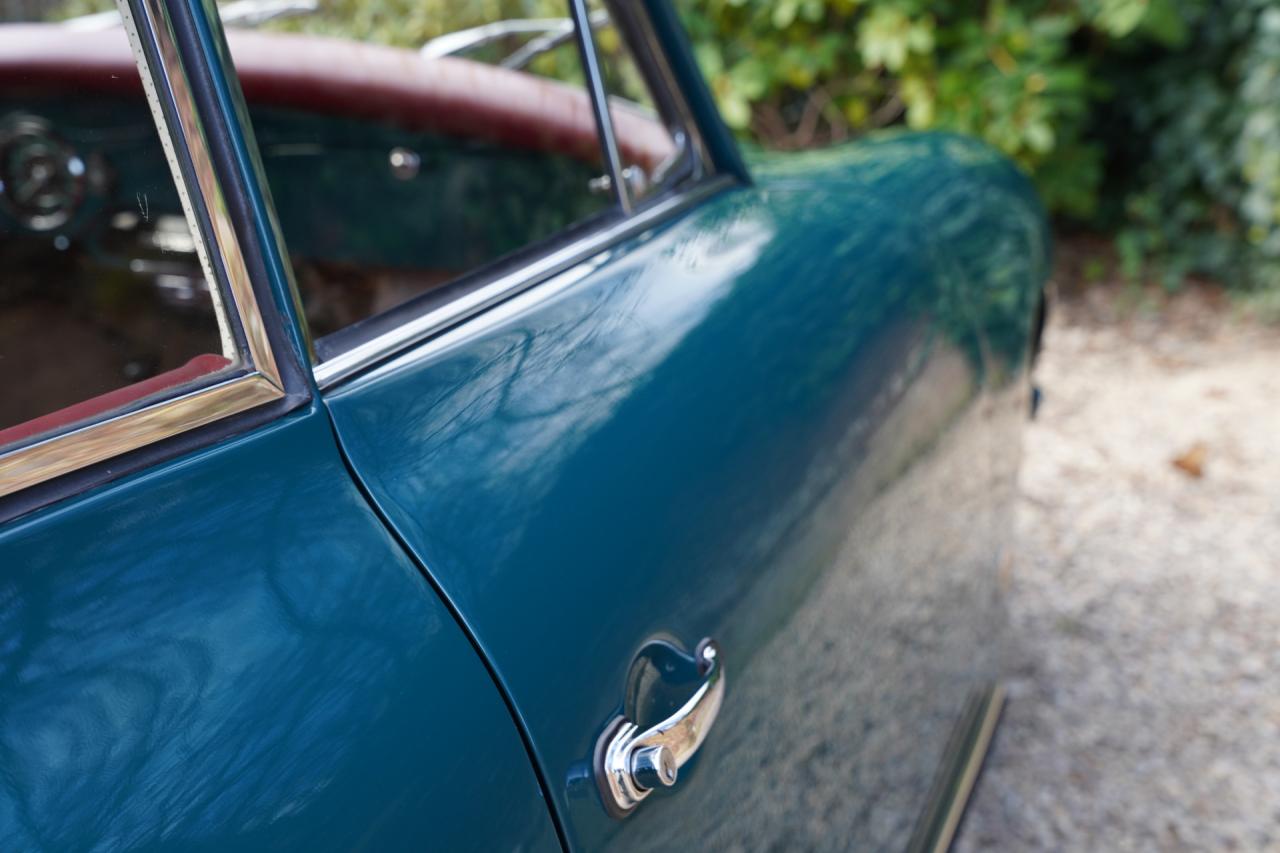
{"x":42,"y":179}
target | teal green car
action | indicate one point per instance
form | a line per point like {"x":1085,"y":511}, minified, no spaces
{"x":434,"y":434}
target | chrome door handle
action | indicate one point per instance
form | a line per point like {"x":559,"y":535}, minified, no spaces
{"x":633,"y":763}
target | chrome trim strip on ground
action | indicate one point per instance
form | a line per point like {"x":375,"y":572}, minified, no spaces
{"x":969,"y":776}
{"x":335,"y":370}
{"x":150,"y":34}
{"x":960,"y":768}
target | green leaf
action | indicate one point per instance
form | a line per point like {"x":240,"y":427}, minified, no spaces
{"x":735,"y":109}
{"x":750,"y":78}
{"x":784,"y":13}
{"x":1039,"y":136}
{"x":1165,"y":22}
{"x":883,"y":38}
{"x":1121,"y":17}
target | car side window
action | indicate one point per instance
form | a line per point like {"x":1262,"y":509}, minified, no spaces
{"x":410,"y":144}
{"x":105,"y":305}
{"x":405,"y":149}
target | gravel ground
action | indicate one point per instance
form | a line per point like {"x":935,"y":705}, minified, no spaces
{"x":1144,"y":709}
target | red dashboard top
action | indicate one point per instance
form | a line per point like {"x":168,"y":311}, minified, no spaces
{"x":452,"y":96}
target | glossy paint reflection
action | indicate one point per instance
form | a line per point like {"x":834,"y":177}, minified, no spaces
{"x":784,"y":422}
{"x":231,"y":653}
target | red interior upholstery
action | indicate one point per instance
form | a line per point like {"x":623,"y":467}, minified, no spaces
{"x":201,"y":365}
{"x":456,"y":97}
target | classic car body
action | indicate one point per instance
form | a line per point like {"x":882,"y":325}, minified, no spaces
{"x":401,"y":560}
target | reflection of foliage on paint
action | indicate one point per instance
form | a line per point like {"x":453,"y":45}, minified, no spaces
{"x":937,"y":222}
{"x":988,"y":248}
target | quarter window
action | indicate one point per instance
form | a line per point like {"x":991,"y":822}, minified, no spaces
{"x":653,"y":145}
{"x":105,"y":305}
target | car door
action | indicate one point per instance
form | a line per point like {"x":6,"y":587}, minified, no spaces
{"x":720,"y":466}
{"x":749,"y":426}
{"x":208,"y":638}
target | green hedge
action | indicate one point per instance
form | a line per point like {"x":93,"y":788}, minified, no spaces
{"x":1156,"y":120}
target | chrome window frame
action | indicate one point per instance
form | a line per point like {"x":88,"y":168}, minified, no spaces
{"x":635,"y":217}
{"x":168,"y":91}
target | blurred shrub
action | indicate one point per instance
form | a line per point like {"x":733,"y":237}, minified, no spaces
{"x":798,"y":73}
{"x":1195,"y":136}
{"x":1157,"y":119}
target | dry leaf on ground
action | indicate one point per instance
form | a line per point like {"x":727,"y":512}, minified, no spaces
{"x":1191,"y":461}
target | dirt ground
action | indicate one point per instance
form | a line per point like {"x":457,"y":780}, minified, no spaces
{"x":1144,"y":709}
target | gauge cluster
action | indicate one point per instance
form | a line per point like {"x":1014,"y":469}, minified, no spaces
{"x":89,"y":191}
{"x":43,"y":179}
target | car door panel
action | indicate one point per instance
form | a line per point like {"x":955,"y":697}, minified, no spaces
{"x":786,"y":421}
{"x":231,"y":652}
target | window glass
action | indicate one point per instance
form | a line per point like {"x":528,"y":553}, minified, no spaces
{"x":408,"y":142}
{"x":104,"y":304}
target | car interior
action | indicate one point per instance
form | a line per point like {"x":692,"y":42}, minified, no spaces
{"x":392,"y":171}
